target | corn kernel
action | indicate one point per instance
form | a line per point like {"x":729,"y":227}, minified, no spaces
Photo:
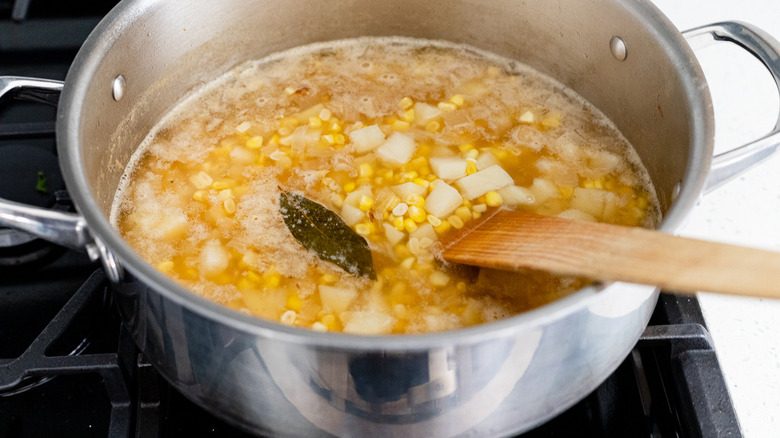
{"x":456,"y":222}
{"x":433,"y":220}
{"x":464,"y":213}
{"x":439,"y":279}
{"x":476,"y":215}
{"x":221,"y":185}
{"x":457,"y":100}
{"x":472,"y":154}
{"x":432,"y":126}
{"x":409,"y":225}
{"x":366,"y":203}
{"x":447,"y":106}
{"x":400,"y":209}
{"x":407,"y":264}
{"x":328,"y":140}
{"x":415,"y":199}
{"x":406,"y":103}
{"x":422,"y":182}
{"x":319,"y":327}
{"x":465,"y":147}
{"x":349,"y":187}
{"x":288,"y":317}
{"x":328,"y":279}
{"x":363,"y":229}
{"x":294,"y":302}
{"x":566,"y":191}
{"x":325,"y":114}
{"x":229,"y":205}
{"x":289,"y":91}
{"x":201,"y":180}
{"x":408,"y":116}
{"x":315,"y":122}
{"x":254,"y":142}
{"x":166,"y":266}
{"x":199,"y":196}
{"x":551,"y":121}
{"x":339,"y":139}
{"x":400,"y":125}
{"x":480,"y":208}
{"x":402,"y":251}
{"x":366,"y":170}
{"x":443,"y":227}
{"x":336,"y":126}
{"x":417,"y":214}
{"x":493,"y":199}
{"x":329,"y":320}
{"x":225,"y":194}
{"x":419,"y":162}
{"x":398,"y":223}
{"x":273,"y":280}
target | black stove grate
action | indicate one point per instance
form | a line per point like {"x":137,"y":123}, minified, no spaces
{"x":68,"y":369}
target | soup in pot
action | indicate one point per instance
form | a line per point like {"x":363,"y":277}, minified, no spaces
{"x":313,"y":187}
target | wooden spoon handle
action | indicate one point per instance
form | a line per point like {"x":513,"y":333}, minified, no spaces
{"x":510,"y":240}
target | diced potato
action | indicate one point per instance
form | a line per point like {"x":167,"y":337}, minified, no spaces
{"x":603,"y":161}
{"x":558,"y":172}
{"x":424,"y":231}
{"x":172,"y":226}
{"x":486,"y":159}
{"x":213,"y":258}
{"x":368,"y":323}
{"x":404,"y":190}
{"x":242,"y":155}
{"x":477,"y":184}
{"x":352,"y":215}
{"x":393,"y":235}
{"x":591,"y":201}
{"x":443,"y":200}
{"x":424,"y":113}
{"x":397,"y":149}
{"x":449,"y":168}
{"x":367,"y":139}
{"x":516,"y":195}
{"x":354,"y":197}
{"x":338,"y":299}
{"x":543,"y":190}
{"x":578,"y":215}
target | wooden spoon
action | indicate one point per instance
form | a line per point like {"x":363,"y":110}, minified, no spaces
{"x":509,"y":240}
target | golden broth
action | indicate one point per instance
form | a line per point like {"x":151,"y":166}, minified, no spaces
{"x":408,"y":141}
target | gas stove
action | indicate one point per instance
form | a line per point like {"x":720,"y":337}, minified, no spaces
{"x":68,"y":368}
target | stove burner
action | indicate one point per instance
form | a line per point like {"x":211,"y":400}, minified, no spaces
{"x":31,"y":176}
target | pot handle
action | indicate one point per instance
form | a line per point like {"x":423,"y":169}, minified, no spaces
{"x":730,"y":164}
{"x":66,"y":229}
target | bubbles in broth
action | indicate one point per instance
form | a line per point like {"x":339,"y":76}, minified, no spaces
{"x":407,"y":141}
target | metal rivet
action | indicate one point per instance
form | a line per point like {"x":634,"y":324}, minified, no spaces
{"x":676,"y":191}
{"x":118,"y":87}
{"x":618,"y":48}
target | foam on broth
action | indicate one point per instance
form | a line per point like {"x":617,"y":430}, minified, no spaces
{"x":200,"y":197}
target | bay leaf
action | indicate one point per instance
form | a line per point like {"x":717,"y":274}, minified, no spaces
{"x":323,"y":232}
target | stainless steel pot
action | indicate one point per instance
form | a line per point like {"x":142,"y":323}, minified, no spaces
{"x":491,"y":380}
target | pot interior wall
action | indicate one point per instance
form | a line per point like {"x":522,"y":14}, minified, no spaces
{"x":166,"y":48}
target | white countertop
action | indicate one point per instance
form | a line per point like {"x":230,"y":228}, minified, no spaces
{"x":746,"y":331}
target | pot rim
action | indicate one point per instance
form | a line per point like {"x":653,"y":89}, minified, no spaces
{"x":123,"y":16}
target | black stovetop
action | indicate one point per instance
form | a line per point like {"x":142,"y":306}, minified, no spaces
{"x":68,"y":369}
